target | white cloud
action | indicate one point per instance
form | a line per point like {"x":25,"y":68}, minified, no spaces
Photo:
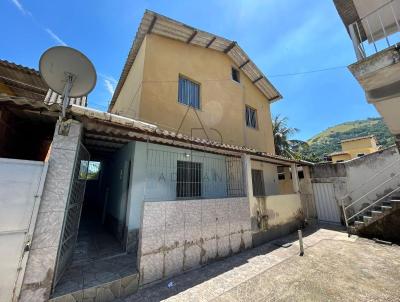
{"x":24,"y":11}
{"x":19,"y":6}
{"x":55,"y":37}
{"x":109,"y":86}
{"x":109,"y":82}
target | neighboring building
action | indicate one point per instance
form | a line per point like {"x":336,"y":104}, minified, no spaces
{"x":120,"y":202}
{"x":373,"y":26}
{"x":355,"y":147}
{"x":17,"y":80}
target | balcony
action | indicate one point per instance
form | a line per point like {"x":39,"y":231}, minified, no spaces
{"x":374,"y":28}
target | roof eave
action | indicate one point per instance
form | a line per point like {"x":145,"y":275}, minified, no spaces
{"x":149,"y":25}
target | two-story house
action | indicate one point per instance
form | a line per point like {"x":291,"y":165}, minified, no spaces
{"x":204,"y":85}
{"x":181,"y":171}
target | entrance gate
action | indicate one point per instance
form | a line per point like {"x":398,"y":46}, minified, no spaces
{"x":21,"y":186}
{"x":73,"y":212}
{"x":327,"y":207}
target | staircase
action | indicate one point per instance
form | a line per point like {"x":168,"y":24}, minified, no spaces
{"x":378,"y":212}
{"x":363,"y":212}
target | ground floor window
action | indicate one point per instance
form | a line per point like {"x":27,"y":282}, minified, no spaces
{"x":258,"y":182}
{"x":188,"y":179}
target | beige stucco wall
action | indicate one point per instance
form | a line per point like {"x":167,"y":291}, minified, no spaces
{"x":282,"y":209}
{"x":277,"y":216}
{"x":128,"y":101}
{"x":222,"y":99}
{"x":366,"y":146}
{"x":286,"y":185}
{"x":342,"y":157}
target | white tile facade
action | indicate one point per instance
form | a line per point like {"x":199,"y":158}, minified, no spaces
{"x":177,"y":236}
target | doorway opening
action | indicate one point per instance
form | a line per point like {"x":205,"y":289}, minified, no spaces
{"x":100,"y":252}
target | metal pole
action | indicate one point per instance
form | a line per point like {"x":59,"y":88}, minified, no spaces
{"x":301,"y":242}
{"x":67,"y":89}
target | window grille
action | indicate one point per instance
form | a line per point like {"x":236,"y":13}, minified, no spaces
{"x":251,"y":117}
{"x":188,"y":179}
{"x":258,"y":182}
{"x":189,"y":93}
{"x":172,"y":175}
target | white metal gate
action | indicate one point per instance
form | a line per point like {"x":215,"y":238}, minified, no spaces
{"x":21,"y":186}
{"x":327,"y":207}
{"x":72,"y":212}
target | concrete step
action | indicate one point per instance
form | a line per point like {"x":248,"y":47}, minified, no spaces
{"x":395,"y":203}
{"x":386,"y":209}
{"x":376,"y":214}
{"x":367,"y":219}
{"x":358,"y":223}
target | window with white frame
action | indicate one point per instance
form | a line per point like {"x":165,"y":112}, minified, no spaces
{"x":251,"y":117}
{"x":258,"y":182}
{"x":189,"y":92}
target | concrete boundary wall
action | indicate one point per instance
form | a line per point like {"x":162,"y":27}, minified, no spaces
{"x":355,"y":178}
{"x":277,"y":215}
{"x":177,"y":236}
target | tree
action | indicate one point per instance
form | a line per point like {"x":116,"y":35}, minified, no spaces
{"x":281,"y":132}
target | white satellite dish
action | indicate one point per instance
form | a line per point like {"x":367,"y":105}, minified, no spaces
{"x":68,"y":72}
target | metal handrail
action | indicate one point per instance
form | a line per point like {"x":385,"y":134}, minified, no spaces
{"x":370,"y":179}
{"x":344,"y":208}
{"x":378,"y":186}
{"x":374,"y":203}
{"x":356,"y":34}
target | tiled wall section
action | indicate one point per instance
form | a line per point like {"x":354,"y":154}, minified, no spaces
{"x":179,"y":235}
{"x":41,"y":263}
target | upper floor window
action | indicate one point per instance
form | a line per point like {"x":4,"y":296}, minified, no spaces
{"x":235,"y":75}
{"x":189,"y":92}
{"x":251,"y":117}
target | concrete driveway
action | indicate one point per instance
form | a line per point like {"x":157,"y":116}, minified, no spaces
{"x":334,"y":268}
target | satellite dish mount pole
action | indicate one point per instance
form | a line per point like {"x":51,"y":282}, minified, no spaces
{"x":69,"y":81}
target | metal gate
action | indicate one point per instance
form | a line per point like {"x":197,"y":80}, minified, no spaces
{"x":72,"y":212}
{"x":327,"y":207}
{"x":21,"y":186}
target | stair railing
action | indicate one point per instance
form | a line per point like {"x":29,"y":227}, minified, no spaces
{"x":345,"y":208}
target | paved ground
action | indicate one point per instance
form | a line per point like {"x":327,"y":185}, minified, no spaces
{"x":334,"y":268}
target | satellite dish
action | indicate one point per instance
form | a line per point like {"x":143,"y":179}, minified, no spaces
{"x":68,"y":72}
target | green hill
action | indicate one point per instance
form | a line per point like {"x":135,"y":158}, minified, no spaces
{"x":328,"y":141}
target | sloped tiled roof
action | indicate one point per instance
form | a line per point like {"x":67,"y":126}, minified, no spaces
{"x":155,"y":23}
{"x":119,"y":128}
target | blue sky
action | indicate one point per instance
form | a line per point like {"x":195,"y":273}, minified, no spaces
{"x":281,"y":36}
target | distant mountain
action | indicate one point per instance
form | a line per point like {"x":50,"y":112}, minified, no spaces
{"x":328,"y":141}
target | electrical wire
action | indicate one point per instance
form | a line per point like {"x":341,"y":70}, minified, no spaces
{"x":305,"y":72}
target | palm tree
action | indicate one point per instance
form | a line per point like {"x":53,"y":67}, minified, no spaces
{"x":281,"y":131}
